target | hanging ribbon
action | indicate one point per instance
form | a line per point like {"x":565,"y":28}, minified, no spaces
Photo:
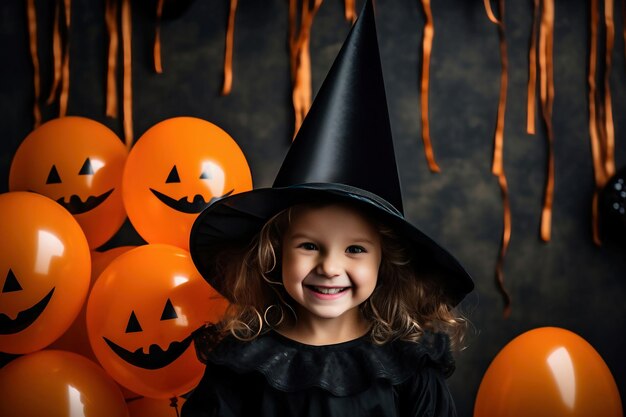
{"x":113,"y":27}
{"x":601,"y":131}
{"x":157,"y":38}
{"x":546,"y":77}
{"x":228,"y":50}
{"x":127,"y":87}
{"x":111,"y":13}
{"x":300,"y":59}
{"x":532,"y":73}
{"x":65,"y":72}
{"x":427,"y":45}
{"x":57,"y":53}
{"x":350,"y":11}
{"x":32,"y":35}
{"x":497,"y":167}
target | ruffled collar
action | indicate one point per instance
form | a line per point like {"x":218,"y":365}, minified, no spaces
{"x":341,"y":369}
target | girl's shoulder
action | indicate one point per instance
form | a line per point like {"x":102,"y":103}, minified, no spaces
{"x":341,"y":369}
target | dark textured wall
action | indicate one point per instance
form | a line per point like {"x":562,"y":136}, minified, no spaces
{"x":568,"y":282}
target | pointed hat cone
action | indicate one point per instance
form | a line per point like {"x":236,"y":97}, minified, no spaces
{"x":343,"y":152}
{"x":346,"y":136}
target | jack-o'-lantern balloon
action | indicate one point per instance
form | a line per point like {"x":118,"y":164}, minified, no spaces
{"x":79,"y":163}
{"x":141,"y":313}
{"x":44,"y":271}
{"x":75,"y":338}
{"x":174,"y":171}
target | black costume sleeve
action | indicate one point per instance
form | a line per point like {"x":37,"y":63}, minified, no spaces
{"x":216,"y":395}
{"x":426,"y":395}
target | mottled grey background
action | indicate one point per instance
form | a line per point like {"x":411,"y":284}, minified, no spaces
{"x":568,"y":282}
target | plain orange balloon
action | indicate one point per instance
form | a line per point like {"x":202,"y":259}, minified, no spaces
{"x":141,"y":313}
{"x":154,"y":407}
{"x":44,"y":271}
{"x":548,"y":372}
{"x":175,"y":170}
{"x":54,"y":383}
{"x":79,"y":163}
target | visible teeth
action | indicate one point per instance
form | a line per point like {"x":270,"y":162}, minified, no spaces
{"x":328,"y":290}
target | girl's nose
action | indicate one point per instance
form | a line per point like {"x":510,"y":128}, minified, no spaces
{"x":329,"y":265}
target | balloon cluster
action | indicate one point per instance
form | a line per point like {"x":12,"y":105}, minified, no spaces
{"x":107,"y":333}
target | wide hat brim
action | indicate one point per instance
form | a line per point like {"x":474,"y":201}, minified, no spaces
{"x":234,"y":220}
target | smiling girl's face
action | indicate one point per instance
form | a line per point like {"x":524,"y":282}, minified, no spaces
{"x":330,"y":261}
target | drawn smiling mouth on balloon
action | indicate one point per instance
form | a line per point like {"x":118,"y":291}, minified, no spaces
{"x":156,"y":357}
{"x":25,"y":318}
{"x":76,"y":206}
{"x":183,"y":205}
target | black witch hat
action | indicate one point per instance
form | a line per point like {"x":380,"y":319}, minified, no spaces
{"x":343,"y":151}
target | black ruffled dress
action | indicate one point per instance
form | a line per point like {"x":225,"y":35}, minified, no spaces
{"x":276,"y":376}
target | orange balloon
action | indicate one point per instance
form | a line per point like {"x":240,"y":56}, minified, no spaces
{"x":140,"y":316}
{"x":44,"y":271}
{"x":79,"y":163}
{"x":548,"y":372}
{"x":174,"y":171}
{"x":75,"y":339}
{"x":154,"y":407}
{"x":54,"y":383}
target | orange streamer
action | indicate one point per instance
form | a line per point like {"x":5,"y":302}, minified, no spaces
{"x":427,"y":45}
{"x":111,"y":23}
{"x":546,"y":38}
{"x":228,"y":50}
{"x":300,"y":59}
{"x":506,"y":238}
{"x":601,"y":128}
{"x":157,"y":39}
{"x":532,"y":73}
{"x":57,"y":53}
{"x":599,"y":175}
{"x":128,"y":93}
{"x":65,"y":72}
{"x":608,"y":127}
{"x":32,"y":34}
{"x":497,"y":167}
{"x":350,"y":11}
{"x":489,"y":11}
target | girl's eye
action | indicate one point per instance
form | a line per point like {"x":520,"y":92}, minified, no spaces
{"x":307,"y":246}
{"x":355,"y":249}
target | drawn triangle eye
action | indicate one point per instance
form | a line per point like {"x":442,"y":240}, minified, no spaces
{"x":133,"y":325}
{"x":53,"y":176}
{"x":168,"y":312}
{"x":11,"y":284}
{"x":87,"y":168}
{"x":205,"y":175}
{"x":173,"y":176}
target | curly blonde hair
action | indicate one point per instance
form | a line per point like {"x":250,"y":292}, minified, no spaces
{"x":402,"y":306}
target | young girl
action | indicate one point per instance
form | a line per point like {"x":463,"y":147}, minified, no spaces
{"x":338,"y":305}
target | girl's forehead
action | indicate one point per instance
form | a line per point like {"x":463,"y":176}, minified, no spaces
{"x":337,"y":214}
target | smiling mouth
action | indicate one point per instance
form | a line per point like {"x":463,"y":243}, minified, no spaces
{"x":24,"y":318}
{"x":327,"y":290}
{"x":76,"y":206}
{"x":156,"y":357}
{"x":196,"y":206}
